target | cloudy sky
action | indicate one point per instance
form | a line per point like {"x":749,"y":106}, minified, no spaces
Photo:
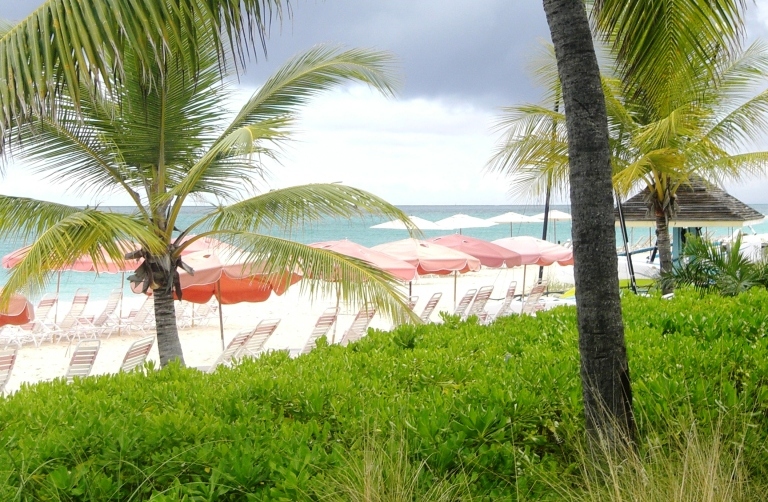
{"x":459,"y":62}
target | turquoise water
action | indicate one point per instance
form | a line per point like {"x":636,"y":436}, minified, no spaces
{"x":358,"y":230}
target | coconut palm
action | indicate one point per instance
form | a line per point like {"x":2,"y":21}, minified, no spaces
{"x":65,"y":43}
{"x":699,"y":130}
{"x":174,"y":142}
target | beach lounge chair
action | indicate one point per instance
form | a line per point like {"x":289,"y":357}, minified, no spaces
{"x":106,"y":322}
{"x":234,"y":346}
{"x":464,"y":302}
{"x":259,"y":336}
{"x":430,"y":307}
{"x":506,"y":306}
{"x":322,"y":326}
{"x":531,"y":303}
{"x":142,"y":318}
{"x":7,"y":360}
{"x":37,"y":330}
{"x":478,"y":306}
{"x":83,"y":358}
{"x":73,"y":323}
{"x":137,"y":353}
{"x":359,"y":325}
{"x":200,"y":315}
{"x":412,"y":302}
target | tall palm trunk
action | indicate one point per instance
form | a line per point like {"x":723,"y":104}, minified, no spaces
{"x":604,"y":368}
{"x":168,"y":343}
{"x":665,"y":248}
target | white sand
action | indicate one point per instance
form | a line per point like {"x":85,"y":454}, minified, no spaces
{"x":202,"y":344}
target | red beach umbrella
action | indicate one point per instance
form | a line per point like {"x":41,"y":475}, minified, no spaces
{"x":18,"y":311}
{"x":490,"y":254}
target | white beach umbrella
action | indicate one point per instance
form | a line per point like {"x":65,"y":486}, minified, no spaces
{"x":512,"y":217}
{"x":459,"y":221}
{"x":555,"y":216}
{"x":420,"y":223}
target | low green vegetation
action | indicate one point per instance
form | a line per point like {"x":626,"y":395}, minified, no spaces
{"x":455,"y":411}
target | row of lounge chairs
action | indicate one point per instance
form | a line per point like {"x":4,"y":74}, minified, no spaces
{"x":474,"y":301}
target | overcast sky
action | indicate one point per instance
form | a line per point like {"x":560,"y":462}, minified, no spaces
{"x":459,"y":63}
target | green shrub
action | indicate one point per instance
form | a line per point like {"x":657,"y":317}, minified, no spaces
{"x":495,"y":409}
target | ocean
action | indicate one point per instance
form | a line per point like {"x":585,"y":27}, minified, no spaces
{"x":358,"y":230}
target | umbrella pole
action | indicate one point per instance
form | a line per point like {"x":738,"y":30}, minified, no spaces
{"x":510,"y":229}
{"x":525,"y":269}
{"x":455,"y":275}
{"x":221,"y":317}
{"x":122,"y":294}
{"x":338,"y":299}
{"x":56,"y":309}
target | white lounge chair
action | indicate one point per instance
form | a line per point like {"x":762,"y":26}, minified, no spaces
{"x":83,"y":358}
{"x":531,"y":303}
{"x":7,"y":361}
{"x":464,"y":302}
{"x":73,"y":324}
{"x":37,"y":331}
{"x":478,"y":306}
{"x":506,"y":306}
{"x":137,"y":353}
{"x":322,"y":326}
{"x":106,"y":322}
{"x":426,"y":314}
{"x":359,"y":325}
{"x":141,"y":319}
{"x":259,"y":336}
{"x":234,"y":346}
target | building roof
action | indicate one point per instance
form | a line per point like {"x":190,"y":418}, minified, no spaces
{"x":699,"y":204}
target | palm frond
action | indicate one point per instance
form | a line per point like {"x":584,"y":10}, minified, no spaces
{"x":290,"y":208}
{"x":87,"y":231}
{"x":653,"y":40}
{"x":65,"y":42}
{"x":310,"y":73}
{"x":326,"y":273}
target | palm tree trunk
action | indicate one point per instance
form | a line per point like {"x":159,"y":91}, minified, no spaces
{"x":604,"y":369}
{"x":665,"y":249}
{"x":168,"y":343}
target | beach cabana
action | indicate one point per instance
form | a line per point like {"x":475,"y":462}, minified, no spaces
{"x":699,"y":205}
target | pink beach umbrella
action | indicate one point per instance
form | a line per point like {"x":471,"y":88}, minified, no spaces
{"x":18,"y":311}
{"x":490,"y":254}
{"x":431,"y":258}
{"x":395,"y":266}
{"x":535,"y":251}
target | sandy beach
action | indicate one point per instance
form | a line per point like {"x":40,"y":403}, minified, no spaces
{"x":298,"y":314}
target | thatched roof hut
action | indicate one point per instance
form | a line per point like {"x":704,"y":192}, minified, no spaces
{"x":699,"y":204}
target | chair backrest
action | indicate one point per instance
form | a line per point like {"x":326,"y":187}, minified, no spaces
{"x":464,"y":302}
{"x":137,"y":353}
{"x":44,"y":307}
{"x":142,"y":315}
{"x":507,"y":304}
{"x":233,"y":348}
{"x":430,"y":307}
{"x":412,"y":302}
{"x":7,"y":360}
{"x":322,"y":326}
{"x":533,"y":297}
{"x":259,"y":337}
{"x":359,"y":325}
{"x":79,"y":303}
{"x":82,"y":359}
{"x":478,"y":306}
{"x":109,"y":309}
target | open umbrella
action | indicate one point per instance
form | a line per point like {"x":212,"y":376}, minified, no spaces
{"x":395,"y":266}
{"x":85,"y":263}
{"x":419,"y":223}
{"x":459,"y":221}
{"x":490,"y":254}
{"x":535,"y":251}
{"x":18,"y":311}
{"x":554,"y":216}
{"x":225,"y":272}
{"x":431,"y":258}
{"x":512,"y":217}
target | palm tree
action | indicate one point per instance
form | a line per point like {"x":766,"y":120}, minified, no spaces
{"x":165,"y":145}
{"x":697,"y":130}
{"x":66,"y":43}
{"x":604,"y":368}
